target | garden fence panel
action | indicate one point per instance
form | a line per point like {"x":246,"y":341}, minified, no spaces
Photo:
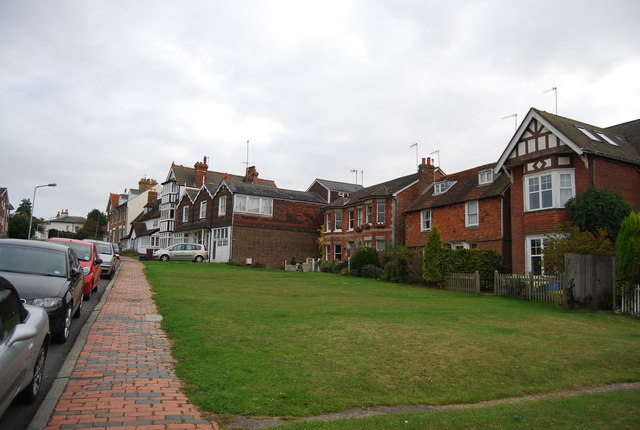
{"x":540,"y":288}
{"x":630,"y":301}
{"x":463,"y":282}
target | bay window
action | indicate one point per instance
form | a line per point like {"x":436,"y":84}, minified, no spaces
{"x":551,"y":189}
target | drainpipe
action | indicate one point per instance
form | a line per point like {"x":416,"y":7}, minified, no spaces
{"x":394,"y":207}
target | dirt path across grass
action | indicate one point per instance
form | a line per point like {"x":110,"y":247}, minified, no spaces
{"x":242,"y":422}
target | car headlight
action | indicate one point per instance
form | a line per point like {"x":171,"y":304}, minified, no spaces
{"x":86,"y":270}
{"x":48,"y":302}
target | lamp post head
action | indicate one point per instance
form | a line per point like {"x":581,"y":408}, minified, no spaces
{"x":52,"y":185}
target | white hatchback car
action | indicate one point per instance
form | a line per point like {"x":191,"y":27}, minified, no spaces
{"x":24,"y":341}
{"x":182,"y":251}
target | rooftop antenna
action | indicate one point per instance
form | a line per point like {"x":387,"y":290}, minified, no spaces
{"x":515,"y":122}
{"x":356,"y":172}
{"x":247,"y":162}
{"x":555,"y":91}
{"x":361,"y":177}
{"x":437,"y":152}
{"x":416,"y":145}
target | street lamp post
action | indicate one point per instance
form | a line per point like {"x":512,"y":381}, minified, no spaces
{"x":33,"y":205}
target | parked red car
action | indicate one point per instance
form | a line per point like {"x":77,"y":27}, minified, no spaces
{"x":89,"y":260}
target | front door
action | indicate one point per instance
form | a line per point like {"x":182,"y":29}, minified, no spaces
{"x":221,"y":244}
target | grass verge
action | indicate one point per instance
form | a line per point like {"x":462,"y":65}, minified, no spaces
{"x":274,"y":343}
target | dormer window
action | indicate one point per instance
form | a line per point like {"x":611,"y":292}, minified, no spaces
{"x":485,"y":177}
{"x":442,"y":187}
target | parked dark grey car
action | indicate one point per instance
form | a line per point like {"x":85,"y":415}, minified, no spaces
{"x":48,"y":275}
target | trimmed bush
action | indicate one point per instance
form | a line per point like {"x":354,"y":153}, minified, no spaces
{"x":333,"y":266}
{"x":363,"y":257}
{"x":370,"y":271}
{"x":485,"y":261}
{"x":399,"y":265}
{"x":433,"y":264}
{"x":628,"y":250}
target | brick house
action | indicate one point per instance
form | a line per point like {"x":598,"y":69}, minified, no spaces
{"x":259,"y":224}
{"x":179,"y":180}
{"x":372,"y":216}
{"x":551,"y":159}
{"x":5,"y":212}
{"x":145,"y":227}
{"x":471,"y":209}
{"x":123,"y":208}
{"x":333,"y":190}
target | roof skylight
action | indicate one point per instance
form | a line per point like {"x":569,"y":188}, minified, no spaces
{"x":607,"y":138}
{"x":588,"y":133}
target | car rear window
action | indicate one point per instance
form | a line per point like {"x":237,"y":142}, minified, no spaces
{"x":103,"y":248}
{"x":37,"y":261}
{"x":82,"y":251}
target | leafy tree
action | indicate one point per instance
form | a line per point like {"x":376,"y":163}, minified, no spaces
{"x":24,"y":208}
{"x":433,"y":258}
{"x":575,"y":241}
{"x":94,"y":227}
{"x":397,"y":265}
{"x":628,"y":249}
{"x":597,"y":209}
{"x":19,"y":226}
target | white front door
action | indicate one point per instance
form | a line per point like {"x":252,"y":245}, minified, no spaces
{"x":221,"y":245}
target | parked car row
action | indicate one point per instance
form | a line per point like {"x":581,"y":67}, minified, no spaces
{"x":42,"y":287}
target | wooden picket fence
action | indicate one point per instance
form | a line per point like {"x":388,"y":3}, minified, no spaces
{"x":463,"y":282}
{"x":630,"y":301}
{"x":539,"y":288}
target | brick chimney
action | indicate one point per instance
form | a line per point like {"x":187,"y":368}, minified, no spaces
{"x":151,"y":196}
{"x":251,"y":177}
{"x":144,"y":184}
{"x":426,"y":174}
{"x":200,"y":177}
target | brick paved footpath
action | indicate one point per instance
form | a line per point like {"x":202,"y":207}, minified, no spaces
{"x":124,"y":377}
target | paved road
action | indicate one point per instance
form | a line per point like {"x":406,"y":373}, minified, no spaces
{"x":19,"y":415}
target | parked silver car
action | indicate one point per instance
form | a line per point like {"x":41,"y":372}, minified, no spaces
{"x":109,"y":256}
{"x":182,"y":251}
{"x":24,"y":341}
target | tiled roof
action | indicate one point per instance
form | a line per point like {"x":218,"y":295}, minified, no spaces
{"x":385,"y":189}
{"x":465,"y":188}
{"x":624,"y":151}
{"x":69,"y":219}
{"x":339,"y":186}
{"x":154,"y":212}
{"x":275,"y":193}
{"x":198,"y":225}
{"x":186,"y":176}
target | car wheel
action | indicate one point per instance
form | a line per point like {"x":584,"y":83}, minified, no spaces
{"x":199,"y":259}
{"x":31,"y":391}
{"x":95,"y":288}
{"x":87,"y":296}
{"x":79,"y":310}
{"x":164,"y":257}
{"x":63,"y":335}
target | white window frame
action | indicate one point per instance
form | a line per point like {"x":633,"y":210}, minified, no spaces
{"x":380,"y":245}
{"x":425,"y":220}
{"x":222,"y":205}
{"x":337,"y":251}
{"x":338,"y":224}
{"x":380,"y":219}
{"x":185,"y":214}
{"x":203,"y":209}
{"x":263,"y":205}
{"x":485,"y":177}
{"x":328,"y":222}
{"x":369,"y":213}
{"x":351,"y":220}
{"x":360,"y":219}
{"x":472,"y":209}
{"x":529,"y":255}
{"x":558,"y":198}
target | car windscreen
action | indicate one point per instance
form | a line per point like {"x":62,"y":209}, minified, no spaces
{"x":103,"y":248}
{"x":37,"y":261}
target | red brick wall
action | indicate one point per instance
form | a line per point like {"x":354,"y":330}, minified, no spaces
{"x":270,"y":247}
{"x":620,"y":177}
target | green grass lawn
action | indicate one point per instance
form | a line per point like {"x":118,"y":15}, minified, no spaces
{"x":618,"y":411}
{"x":273,"y":343}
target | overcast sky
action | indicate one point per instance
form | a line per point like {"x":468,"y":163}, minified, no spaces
{"x":98,"y":94}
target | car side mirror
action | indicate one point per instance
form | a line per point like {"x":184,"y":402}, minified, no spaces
{"x":75,"y":272}
{"x":98,"y":260}
{"x":22,"y":332}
